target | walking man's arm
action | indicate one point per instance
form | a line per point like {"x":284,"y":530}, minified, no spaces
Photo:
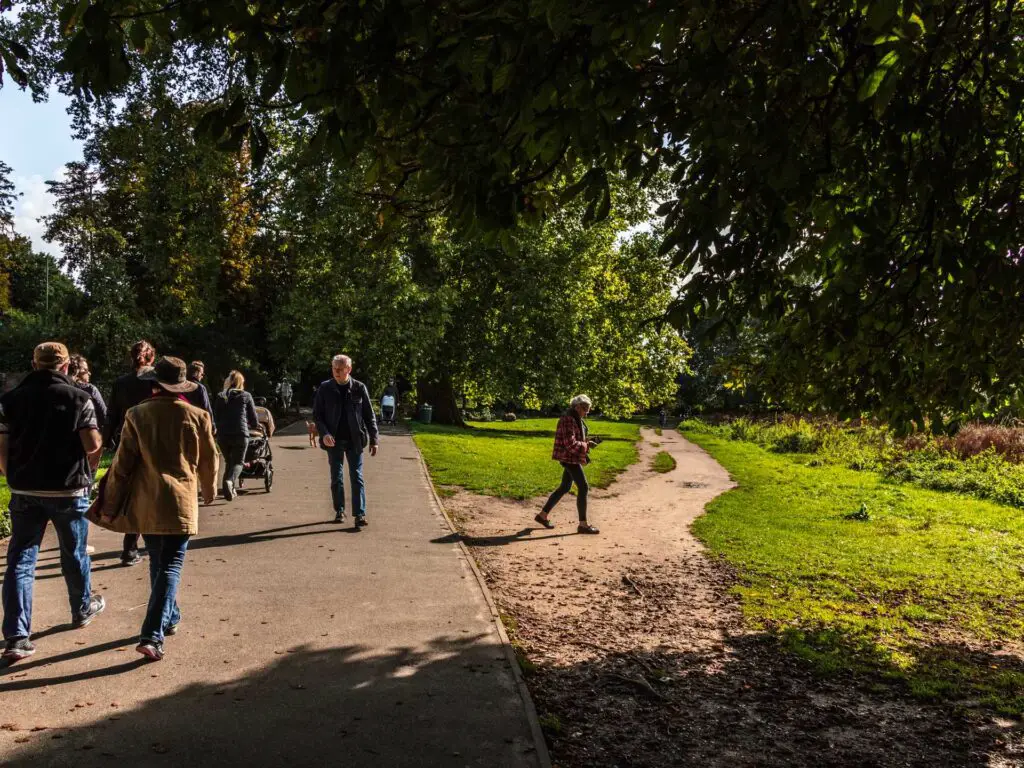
{"x":89,"y":434}
{"x":370,"y":420}
{"x":92,"y":442}
{"x":319,"y":417}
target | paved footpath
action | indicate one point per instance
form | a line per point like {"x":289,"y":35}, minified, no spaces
{"x":302,"y":643}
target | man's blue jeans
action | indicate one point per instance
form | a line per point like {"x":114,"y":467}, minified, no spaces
{"x":166,"y":559}
{"x":29,"y":516}
{"x":336,"y":456}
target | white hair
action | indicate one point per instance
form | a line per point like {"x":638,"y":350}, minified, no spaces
{"x":580,"y":400}
{"x":343,"y":360}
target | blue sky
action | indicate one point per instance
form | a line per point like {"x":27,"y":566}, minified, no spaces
{"x":35,"y":140}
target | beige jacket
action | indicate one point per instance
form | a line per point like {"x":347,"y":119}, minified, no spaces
{"x":166,"y":454}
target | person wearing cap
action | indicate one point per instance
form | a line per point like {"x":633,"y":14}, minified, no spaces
{"x":166,"y":457}
{"x":129,"y":390}
{"x":50,"y":447}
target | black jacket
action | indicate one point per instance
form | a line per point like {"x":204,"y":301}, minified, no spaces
{"x":235,"y":413}
{"x":42,"y":418}
{"x":200,"y":398}
{"x":329,"y":408}
{"x":129,"y":390}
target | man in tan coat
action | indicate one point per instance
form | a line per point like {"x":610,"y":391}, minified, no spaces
{"x":166,"y":456}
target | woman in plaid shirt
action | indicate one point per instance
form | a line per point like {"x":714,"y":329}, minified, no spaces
{"x":572,"y":449}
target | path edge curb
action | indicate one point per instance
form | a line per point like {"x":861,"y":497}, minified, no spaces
{"x":540,"y":743}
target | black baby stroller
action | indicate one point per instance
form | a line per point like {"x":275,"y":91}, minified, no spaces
{"x":259,"y":461}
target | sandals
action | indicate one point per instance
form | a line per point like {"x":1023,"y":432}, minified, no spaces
{"x":544,"y":521}
{"x":586,"y":528}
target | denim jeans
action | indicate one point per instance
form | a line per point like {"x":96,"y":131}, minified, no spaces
{"x":166,"y":559}
{"x":336,"y":457}
{"x":233,"y":449}
{"x":571,"y":473}
{"x":29,"y":516}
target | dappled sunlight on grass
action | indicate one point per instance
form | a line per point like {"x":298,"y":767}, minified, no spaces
{"x":857,"y":572}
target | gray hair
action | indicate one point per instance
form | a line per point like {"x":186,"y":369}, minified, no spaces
{"x":580,"y":400}
{"x":343,"y":360}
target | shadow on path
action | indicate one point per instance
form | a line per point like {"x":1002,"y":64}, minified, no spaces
{"x":309,"y":707}
{"x":499,"y":541}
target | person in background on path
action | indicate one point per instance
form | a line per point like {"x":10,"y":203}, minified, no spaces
{"x":166,"y":457}
{"x":345,"y":420}
{"x":78,"y":370}
{"x":387,"y":408}
{"x":200,"y":396}
{"x":572,"y":451}
{"x":235,"y":414}
{"x":50,"y":446}
{"x":284,"y":392}
{"x":264,"y":416}
{"x":662,"y":417}
{"x":129,"y":390}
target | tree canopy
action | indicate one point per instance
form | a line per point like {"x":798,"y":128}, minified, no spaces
{"x":847,"y":171}
{"x":275,"y":268}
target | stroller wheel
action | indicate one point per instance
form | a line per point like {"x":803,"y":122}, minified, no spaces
{"x":268,"y":479}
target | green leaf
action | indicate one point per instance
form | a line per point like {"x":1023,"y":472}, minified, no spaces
{"x":871,"y":85}
{"x":502,"y":75}
{"x":881,"y":14}
{"x":138,"y":33}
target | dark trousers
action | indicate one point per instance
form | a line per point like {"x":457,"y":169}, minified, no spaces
{"x":572,"y":473}
{"x":336,"y":459}
{"x":166,"y":559}
{"x":130,"y":543}
{"x":29,"y":517}
{"x":233,"y":449}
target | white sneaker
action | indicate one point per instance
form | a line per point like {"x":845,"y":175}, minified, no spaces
{"x":90,"y":549}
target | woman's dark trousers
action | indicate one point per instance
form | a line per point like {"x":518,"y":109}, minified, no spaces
{"x":573,"y":473}
{"x":233,"y":449}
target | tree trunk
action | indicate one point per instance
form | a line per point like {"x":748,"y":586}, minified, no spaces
{"x":439,"y":391}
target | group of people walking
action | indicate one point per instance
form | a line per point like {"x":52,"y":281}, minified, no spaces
{"x":165,"y":432}
{"x":160,"y":424}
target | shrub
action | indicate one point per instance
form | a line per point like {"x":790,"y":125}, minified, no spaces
{"x":974,"y":439}
{"x":981,"y":460}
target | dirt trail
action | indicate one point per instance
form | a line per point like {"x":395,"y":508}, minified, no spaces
{"x":637,"y":655}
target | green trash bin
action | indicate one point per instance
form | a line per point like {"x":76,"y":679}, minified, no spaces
{"x":426,"y":413}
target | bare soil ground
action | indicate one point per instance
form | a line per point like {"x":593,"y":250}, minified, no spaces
{"x":636,"y":653}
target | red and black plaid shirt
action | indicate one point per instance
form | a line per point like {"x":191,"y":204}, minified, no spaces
{"x":570,"y":440}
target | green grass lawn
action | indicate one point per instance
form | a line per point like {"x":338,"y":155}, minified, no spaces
{"x":513,"y":459}
{"x":892,"y":593}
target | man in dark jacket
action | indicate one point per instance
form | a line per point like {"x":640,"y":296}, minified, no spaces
{"x":129,"y":390}
{"x":200,"y":396}
{"x":49,"y":449}
{"x":344,"y":417}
